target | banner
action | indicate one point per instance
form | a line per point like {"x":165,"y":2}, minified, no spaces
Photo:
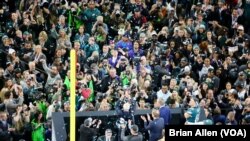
{"x":208,"y":132}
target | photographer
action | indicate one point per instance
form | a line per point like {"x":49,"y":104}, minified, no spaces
{"x":13,"y":99}
{"x":137,"y":18}
{"x":30,"y":88}
{"x":154,"y":46}
{"x":99,"y":24}
{"x":116,"y":18}
{"x":73,"y":16}
{"x":127,"y":75}
{"x":157,"y":14}
{"x":142,"y":95}
{"x":89,"y":129}
{"x":122,"y":64}
{"x":126,"y":106}
{"x":100,"y":36}
{"x":111,"y":80}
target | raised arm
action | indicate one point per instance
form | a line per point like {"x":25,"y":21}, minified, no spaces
{"x":45,"y":67}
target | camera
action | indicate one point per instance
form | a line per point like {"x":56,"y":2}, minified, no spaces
{"x":115,"y":84}
{"x":73,"y":11}
{"x":44,"y":4}
{"x":99,"y":24}
{"x":63,"y":2}
{"x":127,"y":72}
{"x":185,"y":42}
{"x":154,"y":39}
{"x":38,"y":96}
{"x":28,"y":12}
{"x":140,"y":94}
{"x":158,"y":7}
{"x":121,"y":122}
{"x":136,"y":61}
{"x":123,"y":59}
{"x":146,"y":25}
{"x":117,"y":13}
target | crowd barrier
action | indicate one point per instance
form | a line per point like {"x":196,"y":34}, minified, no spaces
{"x":61,"y":121}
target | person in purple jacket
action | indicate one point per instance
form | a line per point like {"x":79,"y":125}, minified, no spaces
{"x":114,"y":59}
{"x":124,"y":43}
{"x":136,"y":51}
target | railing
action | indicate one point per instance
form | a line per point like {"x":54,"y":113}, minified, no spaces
{"x":60,"y":121}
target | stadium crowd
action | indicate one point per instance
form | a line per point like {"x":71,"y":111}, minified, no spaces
{"x":131,"y":55}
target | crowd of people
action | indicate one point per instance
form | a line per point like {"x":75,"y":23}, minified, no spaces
{"x":131,"y":55}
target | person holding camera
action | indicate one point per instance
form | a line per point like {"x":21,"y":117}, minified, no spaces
{"x":99,"y":25}
{"x":112,"y":80}
{"x":89,"y":129}
{"x":126,"y":106}
{"x":137,"y":19}
{"x":13,"y":99}
{"x":127,"y":75}
{"x":117,"y":18}
{"x":100,"y":35}
{"x":73,"y":14}
{"x":91,"y":47}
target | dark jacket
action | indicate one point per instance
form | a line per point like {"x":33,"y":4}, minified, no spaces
{"x":102,"y":138}
{"x":131,"y":137}
{"x":165,"y":113}
{"x":155,"y":127}
{"x":4,"y":133}
{"x":87,"y":134}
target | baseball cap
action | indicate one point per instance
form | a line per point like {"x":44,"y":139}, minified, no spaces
{"x":240,"y":84}
{"x":153,"y":33}
{"x":195,"y":46}
{"x":17,"y":70}
{"x":137,"y":10}
{"x":121,"y":31}
{"x":8,"y":64}
{"x":26,"y":33}
{"x":4,"y":37}
{"x":11,"y":51}
{"x":142,"y":35}
{"x":211,"y":70}
{"x":240,"y":27}
{"x":126,"y":34}
{"x":184,"y":59}
{"x":202,"y":26}
{"x":187,"y":69}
